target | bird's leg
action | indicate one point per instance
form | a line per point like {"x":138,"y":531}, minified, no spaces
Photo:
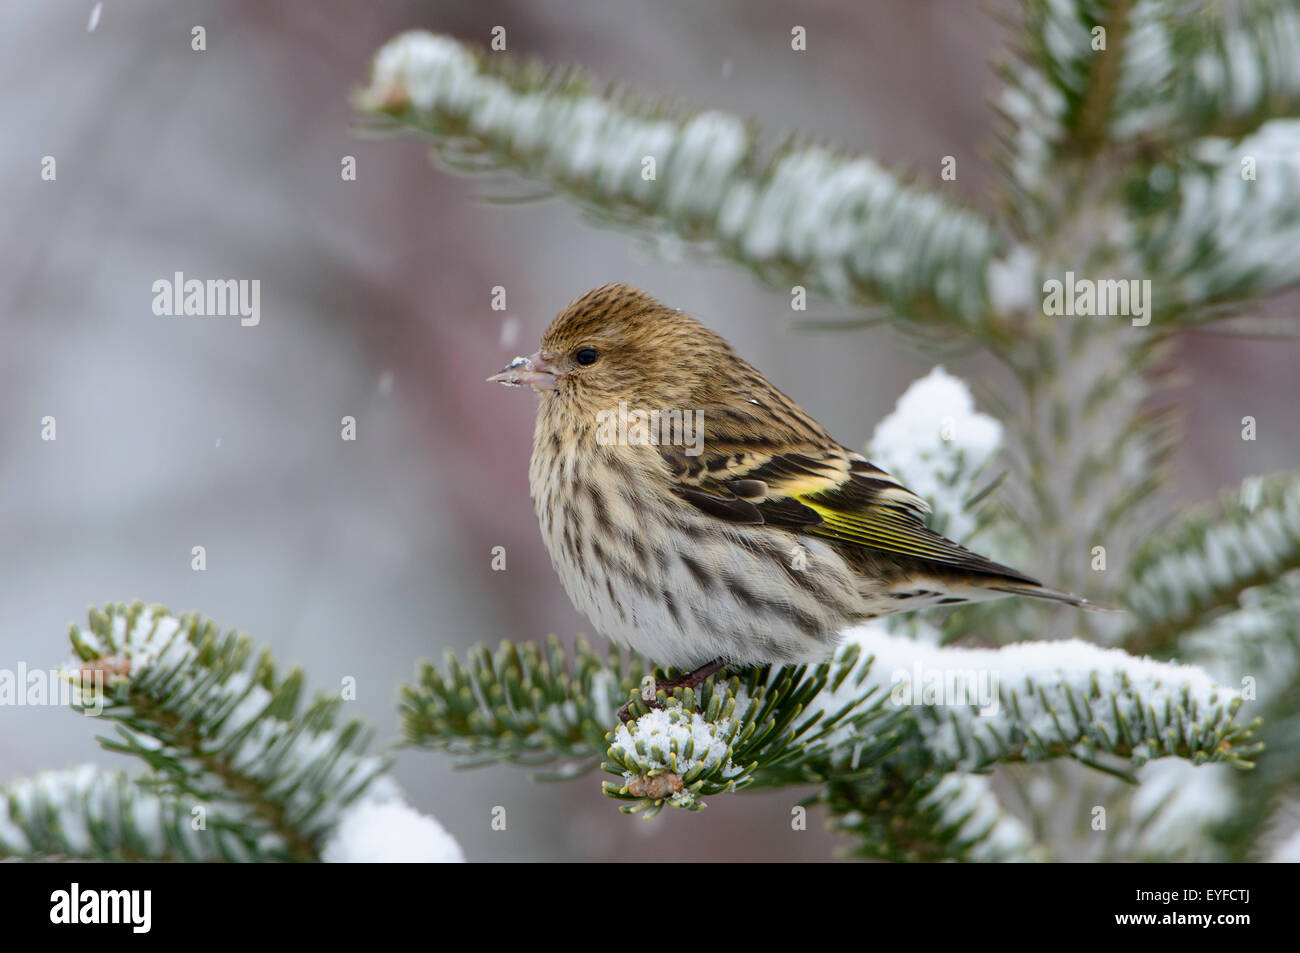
{"x":691,"y":680}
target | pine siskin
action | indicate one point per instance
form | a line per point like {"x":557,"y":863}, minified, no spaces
{"x":697,"y":515}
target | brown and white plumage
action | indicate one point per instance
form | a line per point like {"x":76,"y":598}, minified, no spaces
{"x":761,"y":547}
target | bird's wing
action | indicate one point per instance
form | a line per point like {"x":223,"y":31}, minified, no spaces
{"x":825,"y":491}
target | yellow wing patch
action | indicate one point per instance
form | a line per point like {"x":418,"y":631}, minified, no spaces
{"x":882,"y":528}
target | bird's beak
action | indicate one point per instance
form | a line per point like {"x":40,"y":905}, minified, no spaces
{"x":533,"y":371}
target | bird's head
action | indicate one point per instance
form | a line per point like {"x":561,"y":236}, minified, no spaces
{"x":617,"y":343}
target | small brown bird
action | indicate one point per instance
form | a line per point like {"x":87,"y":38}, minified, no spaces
{"x":697,"y":515}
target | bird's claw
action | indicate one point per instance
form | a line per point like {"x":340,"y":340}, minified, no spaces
{"x":650,"y":697}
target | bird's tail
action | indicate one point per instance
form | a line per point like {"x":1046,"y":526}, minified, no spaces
{"x":1039,"y":591}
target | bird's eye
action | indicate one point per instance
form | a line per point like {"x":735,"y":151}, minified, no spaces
{"x":586,"y":356}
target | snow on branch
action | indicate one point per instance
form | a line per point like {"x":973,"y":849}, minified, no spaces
{"x":1059,"y":88}
{"x":892,"y":729}
{"x":943,"y":449}
{"x":238,"y":770}
{"x":1153,"y":73}
{"x":1259,"y":639}
{"x":1039,"y":700}
{"x":1210,"y":557}
{"x":86,"y":813}
{"x":840,"y":225}
{"x":881,"y":699}
{"x":885,"y":711}
{"x":766,"y":728}
{"x":1238,"y":64}
{"x":380,"y":827}
{"x":939,"y":446}
{"x":215,"y":723}
{"x":1226,"y":222}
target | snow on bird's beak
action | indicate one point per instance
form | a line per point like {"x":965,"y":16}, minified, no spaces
{"x":532,"y":371}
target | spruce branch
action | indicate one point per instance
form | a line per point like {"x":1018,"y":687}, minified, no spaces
{"x":842,"y":226}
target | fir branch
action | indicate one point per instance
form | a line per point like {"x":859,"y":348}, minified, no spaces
{"x":1113,"y":174}
{"x":1044,"y":700}
{"x":1094,"y":377}
{"x":1257,"y":645}
{"x":1058,"y":100}
{"x":837,"y":723}
{"x":774,"y":729}
{"x":1210,"y":557}
{"x":895,"y":816}
{"x":1170,"y":71}
{"x":839,"y":225}
{"x":1259,"y":638}
{"x":218,"y":727}
{"x":89,"y":814}
{"x":521,"y":704}
{"x":1172,"y":814}
{"x":1092,"y":130}
{"x":1222,"y":225}
{"x":1233,"y":68}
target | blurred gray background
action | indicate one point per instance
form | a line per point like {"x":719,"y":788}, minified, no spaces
{"x":360,"y":558}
